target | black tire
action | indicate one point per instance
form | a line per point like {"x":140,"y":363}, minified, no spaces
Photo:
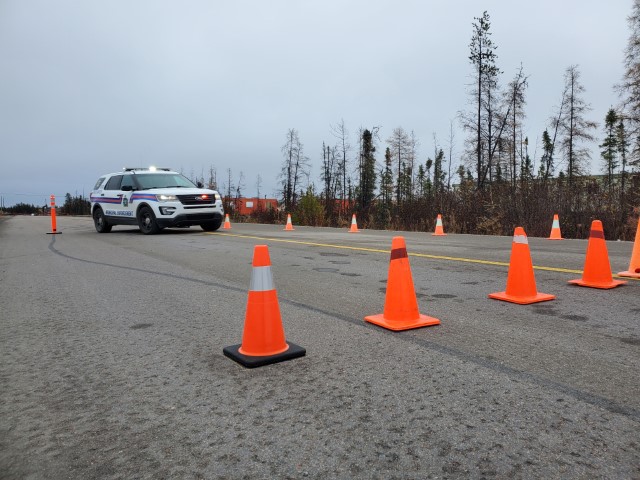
{"x":147,"y":221}
{"x":211,"y":226}
{"x":102,"y":226}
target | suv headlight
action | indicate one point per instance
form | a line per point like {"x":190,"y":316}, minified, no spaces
{"x":166,"y":198}
{"x":218,"y":197}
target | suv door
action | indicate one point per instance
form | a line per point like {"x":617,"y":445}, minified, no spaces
{"x":127,"y":187}
{"x":111,"y":197}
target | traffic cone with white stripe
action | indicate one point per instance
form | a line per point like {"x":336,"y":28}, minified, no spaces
{"x":597,"y":269}
{"x":400,"y":305}
{"x":263,"y":340}
{"x":289,"y":225}
{"x":555,"y":229}
{"x":439,"y":229}
{"x":634,"y":264}
{"x":521,"y":282}
{"x":354,"y":225}
{"x":227,"y":223}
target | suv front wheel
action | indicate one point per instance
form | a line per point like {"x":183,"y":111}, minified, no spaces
{"x":211,"y":226}
{"x":147,"y":221}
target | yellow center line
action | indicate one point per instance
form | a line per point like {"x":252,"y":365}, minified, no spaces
{"x":419,"y":255}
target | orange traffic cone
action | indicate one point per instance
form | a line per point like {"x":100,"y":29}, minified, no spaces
{"x":354,"y":225}
{"x":521,"y":282}
{"x":597,"y":269}
{"x":289,"y":225}
{"x":400,"y":305}
{"x":227,"y":223}
{"x":439,"y":230}
{"x":54,"y":223}
{"x":634,"y":264}
{"x":263,"y":341}
{"x":555,"y":229}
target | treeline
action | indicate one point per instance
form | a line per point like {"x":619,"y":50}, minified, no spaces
{"x":495,"y":184}
{"x":77,"y":205}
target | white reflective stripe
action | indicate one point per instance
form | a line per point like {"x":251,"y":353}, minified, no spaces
{"x":261,"y":279}
{"x":556,"y":224}
{"x":438,"y":222}
{"x":520,"y":239}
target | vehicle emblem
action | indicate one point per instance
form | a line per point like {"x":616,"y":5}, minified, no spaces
{"x":125,"y":201}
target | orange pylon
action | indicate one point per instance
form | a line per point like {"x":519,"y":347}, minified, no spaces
{"x":555,"y":229}
{"x":289,"y":225}
{"x":54,"y":223}
{"x":634,"y":264}
{"x":354,"y":225}
{"x":263,"y":340}
{"x":521,"y":282}
{"x":400,"y":305}
{"x":227,"y":223}
{"x":597,"y":269}
{"x":439,"y":230}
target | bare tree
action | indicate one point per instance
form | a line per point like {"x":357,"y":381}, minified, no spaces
{"x":399,"y":145}
{"x":294,"y":167}
{"x":629,"y":89}
{"x":451,"y":144}
{"x":227,"y":199}
{"x":342,"y":135}
{"x":574,"y":126}
{"x":240,"y":186}
{"x":483,"y":58}
{"x":213,"y":178}
{"x":515,"y":100}
{"x":258,"y":187}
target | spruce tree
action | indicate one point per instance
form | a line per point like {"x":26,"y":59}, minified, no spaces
{"x":609,"y":147}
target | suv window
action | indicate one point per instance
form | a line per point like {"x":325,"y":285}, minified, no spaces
{"x":98,"y":183}
{"x":127,"y":181}
{"x":113,"y":183}
{"x":162,"y":180}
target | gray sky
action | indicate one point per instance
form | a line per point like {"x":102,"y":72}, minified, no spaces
{"x":88,"y":87}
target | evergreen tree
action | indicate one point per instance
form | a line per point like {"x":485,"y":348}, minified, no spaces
{"x":438,"y":173}
{"x":609,"y":147}
{"x":386,"y":179}
{"x":368,"y":172}
{"x":546,"y":164}
{"x":623,"y":147}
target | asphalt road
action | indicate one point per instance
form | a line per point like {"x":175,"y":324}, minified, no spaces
{"x":111,"y":361}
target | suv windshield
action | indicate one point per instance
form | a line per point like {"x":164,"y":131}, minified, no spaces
{"x":162,"y":180}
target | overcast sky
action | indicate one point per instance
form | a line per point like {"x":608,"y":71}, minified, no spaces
{"x":88,"y":87}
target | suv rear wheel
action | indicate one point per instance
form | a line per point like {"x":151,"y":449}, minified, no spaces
{"x":147,"y":221}
{"x":102,"y":226}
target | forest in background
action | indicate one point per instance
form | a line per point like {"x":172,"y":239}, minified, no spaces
{"x":495,"y":184}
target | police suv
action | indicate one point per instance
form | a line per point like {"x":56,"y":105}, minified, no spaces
{"x":153,"y":198}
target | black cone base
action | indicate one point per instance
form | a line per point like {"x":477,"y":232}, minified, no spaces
{"x":251,"y":361}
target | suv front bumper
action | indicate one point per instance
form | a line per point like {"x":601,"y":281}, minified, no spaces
{"x":187,"y":220}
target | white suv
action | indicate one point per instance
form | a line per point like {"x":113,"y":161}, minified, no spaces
{"x":153,"y":198}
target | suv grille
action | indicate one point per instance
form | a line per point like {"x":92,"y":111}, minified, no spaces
{"x":196,"y":199}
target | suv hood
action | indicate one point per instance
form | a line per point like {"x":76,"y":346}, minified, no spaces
{"x":178,"y":191}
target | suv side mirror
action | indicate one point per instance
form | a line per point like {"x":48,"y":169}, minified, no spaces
{"x":199,"y":185}
{"x":126,"y":188}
